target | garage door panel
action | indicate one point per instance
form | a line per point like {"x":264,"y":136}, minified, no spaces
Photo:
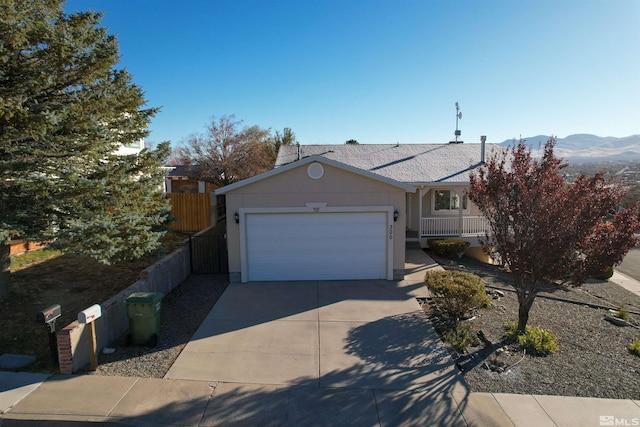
{"x":323,"y":271}
{"x":320,"y":228}
{"x":316,"y":246}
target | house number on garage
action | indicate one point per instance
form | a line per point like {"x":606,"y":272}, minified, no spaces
{"x":390,"y":232}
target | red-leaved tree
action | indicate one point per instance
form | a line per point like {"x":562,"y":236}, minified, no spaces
{"x":544,"y":229}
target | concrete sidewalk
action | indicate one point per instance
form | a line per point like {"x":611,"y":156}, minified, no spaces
{"x":79,"y":400}
{"x":626,"y":282}
{"x":337,"y":390}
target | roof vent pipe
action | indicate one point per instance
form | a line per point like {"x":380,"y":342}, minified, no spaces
{"x":298,"y":146}
{"x":483,"y":141}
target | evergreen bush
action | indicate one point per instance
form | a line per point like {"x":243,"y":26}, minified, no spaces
{"x":460,"y":337}
{"x":457,"y":292}
{"x":535,"y":339}
{"x":448,"y":248}
{"x":606,"y":274}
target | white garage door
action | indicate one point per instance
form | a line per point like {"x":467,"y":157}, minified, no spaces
{"x":316,"y":246}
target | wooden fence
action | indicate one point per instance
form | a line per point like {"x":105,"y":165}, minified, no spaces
{"x":192,"y":211}
{"x":22,"y":246}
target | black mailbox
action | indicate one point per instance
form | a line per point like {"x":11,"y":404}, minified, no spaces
{"x":49,"y":314}
{"x":48,"y":317}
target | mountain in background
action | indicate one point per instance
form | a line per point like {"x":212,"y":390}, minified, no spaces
{"x":589,"y":148}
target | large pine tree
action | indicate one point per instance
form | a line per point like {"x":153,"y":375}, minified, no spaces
{"x":65,"y":109}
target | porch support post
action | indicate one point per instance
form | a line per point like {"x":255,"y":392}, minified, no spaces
{"x":460,"y":211}
{"x":167,"y":185}
{"x":420,"y":213}
{"x":408,"y":213}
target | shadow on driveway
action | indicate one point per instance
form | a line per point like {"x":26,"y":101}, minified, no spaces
{"x":308,"y":353}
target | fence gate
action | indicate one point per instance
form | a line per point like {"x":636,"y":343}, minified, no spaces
{"x":209,"y":254}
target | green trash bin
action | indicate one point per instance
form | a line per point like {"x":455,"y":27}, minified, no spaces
{"x":143,"y":310}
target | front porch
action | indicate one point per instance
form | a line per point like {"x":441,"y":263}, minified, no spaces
{"x":468,"y":228}
{"x":444,"y":212}
{"x":454,"y":226}
{"x":464,"y":227}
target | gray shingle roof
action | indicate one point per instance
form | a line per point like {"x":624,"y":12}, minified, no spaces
{"x":181,"y":170}
{"x":409,"y":163}
{"x":310,"y":159}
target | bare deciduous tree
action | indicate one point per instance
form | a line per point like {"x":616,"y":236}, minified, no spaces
{"x":226,"y":153}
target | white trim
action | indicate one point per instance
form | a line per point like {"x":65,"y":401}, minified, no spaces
{"x":420,"y":196}
{"x":315,"y":207}
{"x":315,"y":170}
{"x":443,"y":184}
{"x":409,"y":211}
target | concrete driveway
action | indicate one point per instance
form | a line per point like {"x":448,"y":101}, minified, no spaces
{"x":355,"y":334}
{"x":311,"y":354}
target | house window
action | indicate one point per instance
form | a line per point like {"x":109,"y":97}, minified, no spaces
{"x":448,"y":200}
{"x":139,"y":145}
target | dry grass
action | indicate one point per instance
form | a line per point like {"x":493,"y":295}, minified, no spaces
{"x":42,"y":278}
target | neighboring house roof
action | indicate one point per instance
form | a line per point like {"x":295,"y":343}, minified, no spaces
{"x":409,"y":163}
{"x":188,"y":171}
{"x":311,"y":159}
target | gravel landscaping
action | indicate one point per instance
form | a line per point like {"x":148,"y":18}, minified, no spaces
{"x":593,"y":359}
{"x":183,"y":310}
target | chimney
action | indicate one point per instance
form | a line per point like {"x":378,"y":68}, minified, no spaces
{"x":483,"y":141}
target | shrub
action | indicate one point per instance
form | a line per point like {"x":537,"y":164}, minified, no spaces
{"x":634,"y":347}
{"x":511,"y":330}
{"x":535,"y":339}
{"x":606,"y":274}
{"x":448,"y":248}
{"x":622,"y":314}
{"x":456,"y":292}
{"x":460,"y":337}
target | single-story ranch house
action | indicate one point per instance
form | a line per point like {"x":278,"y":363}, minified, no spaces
{"x":343,"y":212}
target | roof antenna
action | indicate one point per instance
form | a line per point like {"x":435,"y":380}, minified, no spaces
{"x":457,"y":132}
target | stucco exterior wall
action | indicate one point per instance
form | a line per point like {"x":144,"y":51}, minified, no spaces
{"x":294,"y":188}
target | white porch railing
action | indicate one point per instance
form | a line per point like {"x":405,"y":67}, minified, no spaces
{"x":451,"y":226}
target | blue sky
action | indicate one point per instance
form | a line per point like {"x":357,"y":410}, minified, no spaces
{"x":384,"y":71}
